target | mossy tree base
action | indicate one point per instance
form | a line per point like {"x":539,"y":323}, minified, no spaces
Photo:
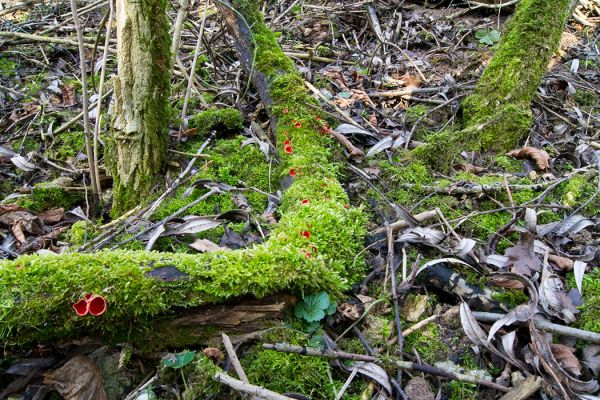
{"x":36,"y":292}
{"x":498,"y":113}
{"x":141,"y":92}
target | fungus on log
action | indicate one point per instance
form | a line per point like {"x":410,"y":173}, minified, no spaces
{"x":37,"y":292}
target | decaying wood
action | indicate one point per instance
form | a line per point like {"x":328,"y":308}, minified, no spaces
{"x":205,"y":324}
{"x":526,"y":389}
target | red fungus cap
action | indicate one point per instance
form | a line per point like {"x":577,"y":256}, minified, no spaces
{"x":97,"y":305}
{"x":292,"y":172}
{"x":81,"y":307}
{"x":305,"y":202}
{"x":298,"y":125}
{"x":306,"y":234}
{"x":288,"y":149}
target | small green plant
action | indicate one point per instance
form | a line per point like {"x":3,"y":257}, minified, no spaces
{"x":315,"y":307}
{"x":178,"y":360}
{"x":487,"y":36}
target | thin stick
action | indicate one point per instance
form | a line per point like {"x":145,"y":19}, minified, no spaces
{"x":188,"y":89}
{"x":181,"y":14}
{"x":86,"y":118}
{"x":47,"y":39}
{"x":388,"y":361}
{"x":101,"y":89}
{"x":76,"y":118}
{"x":592,"y":337}
{"x":401,"y":224}
{"x":248,"y":388}
{"x":235,"y":362}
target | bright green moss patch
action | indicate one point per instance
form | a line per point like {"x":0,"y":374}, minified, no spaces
{"x":284,"y":373}
{"x":228,"y":119}
{"x":589,"y":318}
{"x":428,"y":343}
{"x":67,"y":145}
{"x":233,"y":165}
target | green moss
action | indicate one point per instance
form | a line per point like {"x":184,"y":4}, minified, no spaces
{"x":228,"y":119}
{"x":283,"y":372}
{"x":7,"y":67}
{"x":200,"y":379}
{"x":52,"y":194}
{"x":67,"y":145}
{"x":457,"y":390}
{"x":510,"y":297}
{"x":498,"y":113}
{"x":79,"y":232}
{"x":585,"y":98}
{"x":589,"y":318}
{"x":415,"y":112}
{"x":428,"y":343}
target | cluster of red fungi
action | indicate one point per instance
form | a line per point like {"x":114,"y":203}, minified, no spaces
{"x":90,"y":304}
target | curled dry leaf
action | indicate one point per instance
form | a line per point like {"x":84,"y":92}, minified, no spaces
{"x":554,"y":299}
{"x":78,"y":379}
{"x":214,"y":354}
{"x":565,"y":356}
{"x":522,"y":257}
{"x":563,"y":263}
{"x":591,"y":358}
{"x":350,"y":311}
{"x":541,"y":157}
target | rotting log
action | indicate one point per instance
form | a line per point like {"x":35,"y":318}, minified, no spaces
{"x":498,"y":113}
{"x":141,"y":101}
{"x":37,"y":292}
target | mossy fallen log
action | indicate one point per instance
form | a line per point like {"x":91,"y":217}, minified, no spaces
{"x":313,"y":247}
{"x":498,"y":113}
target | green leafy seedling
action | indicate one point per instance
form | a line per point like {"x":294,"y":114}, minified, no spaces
{"x":179,"y":360}
{"x":487,"y":36}
{"x":315,"y":307}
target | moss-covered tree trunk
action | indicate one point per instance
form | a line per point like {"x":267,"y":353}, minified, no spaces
{"x":141,"y":92}
{"x":498,"y":113}
{"x":315,"y":246}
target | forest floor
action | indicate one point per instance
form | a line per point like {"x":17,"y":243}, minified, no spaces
{"x":389,"y":73}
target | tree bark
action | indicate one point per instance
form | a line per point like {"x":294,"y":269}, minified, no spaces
{"x":141,"y":91}
{"x":498,"y":113}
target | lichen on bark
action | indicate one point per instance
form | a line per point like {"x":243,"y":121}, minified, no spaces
{"x":141,"y":93}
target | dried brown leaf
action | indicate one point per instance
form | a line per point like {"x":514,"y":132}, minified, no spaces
{"x":565,"y":356}
{"x":78,"y":379}
{"x":214,"y":354}
{"x":554,"y":299}
{"x":563,"y":263}
{"x":591,"y":358}
{"x":523,"y":260}
{"x":52,"y":216}
{"x":541,"y":157}
{"x":68,"y":95}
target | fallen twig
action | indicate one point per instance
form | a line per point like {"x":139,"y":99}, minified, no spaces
{"x":249,"y":388}
{"x":592,"y":337}
{"x":388,"y":361}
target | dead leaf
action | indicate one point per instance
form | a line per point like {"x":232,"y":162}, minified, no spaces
{"x":78,"y":379}
{"x":418,"y":388}
{"x":414,"y":307}
{"x":541,"y":157}
{"x":214,"y":354}
{"x":52,"y":216}
{"x":591,"y":358}
{"x":563,"y":263}
{"x":68,"y":95}
{"x":350,"y":311}
{"x":470,"y":168}
{"x":522,"y":257}
{"x":554,"y":299}
{"x":205,"y":245}
{"x":565,"y":356}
